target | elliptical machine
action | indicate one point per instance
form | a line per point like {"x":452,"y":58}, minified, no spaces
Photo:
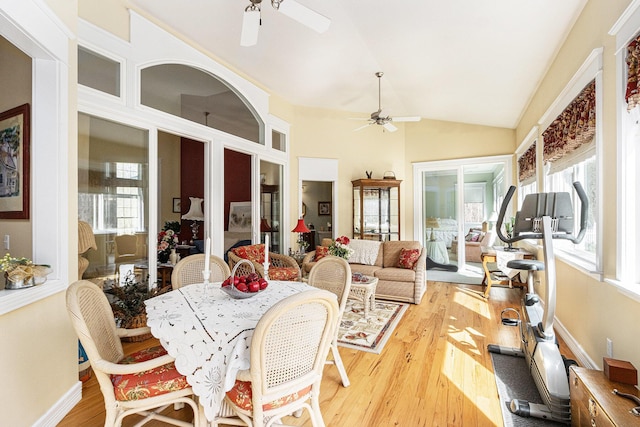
{"x":545,"y":216}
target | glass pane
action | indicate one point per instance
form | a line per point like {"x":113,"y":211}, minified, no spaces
{"x":278,"y":141}
{"x":439,"y":199}
{"x":98,"y":72}
{"x":113,"y":194}
{"x":237,"y":199}
{"x":199,"y":97}
{"x":270,"y":204}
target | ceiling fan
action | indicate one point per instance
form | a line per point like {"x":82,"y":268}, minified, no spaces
{"x":382,"y":118}
{"x":251,"y":20}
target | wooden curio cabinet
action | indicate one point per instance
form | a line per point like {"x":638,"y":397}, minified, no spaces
{"x":376,"y":209}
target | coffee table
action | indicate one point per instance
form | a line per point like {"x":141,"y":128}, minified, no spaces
{"x":364,"y":290}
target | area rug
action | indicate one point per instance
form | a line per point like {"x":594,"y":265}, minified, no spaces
{"x":372,"y":333}
{"x":514,"y":381}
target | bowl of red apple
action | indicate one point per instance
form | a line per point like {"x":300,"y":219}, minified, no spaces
{"x":241,"y":287}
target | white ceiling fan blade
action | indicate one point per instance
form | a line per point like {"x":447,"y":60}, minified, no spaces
{"x":359,"y":118}
{"x":250,"y":27}
{"x":407,"y":119}
{"x":304,"y":15}
{"x":362,"y":127}
{"x":389,"y":127}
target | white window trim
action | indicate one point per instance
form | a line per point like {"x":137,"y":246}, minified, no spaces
{"x":36,"y":30}
{"x":624,"y":30}
{"x":590,"y":69}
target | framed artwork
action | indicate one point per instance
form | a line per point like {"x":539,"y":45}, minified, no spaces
{"x":15,"y":166}
{"x":176,"y":204}
{"x":239,"y":216}
{"x":324,"y":208}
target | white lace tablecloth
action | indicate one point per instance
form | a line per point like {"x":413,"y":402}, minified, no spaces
{"x":210,"y":337}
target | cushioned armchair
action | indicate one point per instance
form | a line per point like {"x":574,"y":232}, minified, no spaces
{"x":474,"y":241}
{"x":281,"y":267}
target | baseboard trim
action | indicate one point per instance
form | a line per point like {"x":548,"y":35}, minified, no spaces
{"x":582,"y":357}
{"x":62,"y":407}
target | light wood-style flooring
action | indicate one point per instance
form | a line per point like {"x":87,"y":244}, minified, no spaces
{"x":434,"y":371}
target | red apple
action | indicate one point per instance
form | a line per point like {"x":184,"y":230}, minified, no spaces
{"x":254,"y":286}
{"x":263,"y":283}
{"x":226,"y":282}
{"x":242,"y":287}
{"x":236,"y":280}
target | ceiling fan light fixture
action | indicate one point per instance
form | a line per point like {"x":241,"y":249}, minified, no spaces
{"x":250,"y":26}
{"x":302,"y":14}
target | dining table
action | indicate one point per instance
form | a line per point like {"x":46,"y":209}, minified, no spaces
{"x":209,"y":333}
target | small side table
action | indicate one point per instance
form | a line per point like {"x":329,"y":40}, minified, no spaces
{"x":365,"y":291}
{"x":490,"y":255}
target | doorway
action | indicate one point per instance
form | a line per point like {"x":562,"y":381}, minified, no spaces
{"x":317,"y":200}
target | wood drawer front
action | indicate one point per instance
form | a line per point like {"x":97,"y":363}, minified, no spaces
{"x":594,"y":405}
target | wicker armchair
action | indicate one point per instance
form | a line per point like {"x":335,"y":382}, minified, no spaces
{"x":288,"y":350}
{"x":281,"y":267}
{"x":124,"y":379}
{"x":333,"y":274}
{"x":189,"y":270}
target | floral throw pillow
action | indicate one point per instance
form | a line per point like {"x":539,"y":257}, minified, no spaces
{"x":408,"y":258}
{"x":254,"y":253}
{"x":321,"y":252}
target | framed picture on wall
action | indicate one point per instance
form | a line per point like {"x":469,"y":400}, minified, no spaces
{"x":324,"y":208}
{"x":240,"y":216}
{"x":176,"y":204}
{"x":15,"y":165}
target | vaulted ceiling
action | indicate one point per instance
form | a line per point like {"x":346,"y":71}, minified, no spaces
{"x":469,"y":61}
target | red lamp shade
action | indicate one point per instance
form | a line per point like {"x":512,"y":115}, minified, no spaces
{"x":301,"y":227}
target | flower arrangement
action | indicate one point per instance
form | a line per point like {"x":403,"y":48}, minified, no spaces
{"x":23,"y":270}
{"x":340,"y":247}
{"x":167,"y":240}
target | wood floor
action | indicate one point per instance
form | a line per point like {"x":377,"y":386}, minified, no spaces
{"x":434,"y":371}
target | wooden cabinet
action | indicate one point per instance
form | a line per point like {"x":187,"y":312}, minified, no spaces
{"x":594,"y":405}
{"x":376,"y":209}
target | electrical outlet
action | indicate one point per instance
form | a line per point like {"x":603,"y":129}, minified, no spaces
{"x":609,"y":347}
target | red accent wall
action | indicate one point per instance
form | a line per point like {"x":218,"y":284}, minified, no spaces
{"x":237,"y":180}
{"x":191,"y":181}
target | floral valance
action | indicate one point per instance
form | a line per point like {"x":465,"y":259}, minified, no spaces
{"x":632,"y":94}
{"x":527,"y":163}
{"x":574,"y":127}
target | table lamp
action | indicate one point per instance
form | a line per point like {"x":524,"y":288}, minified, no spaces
{"x":195,"y":214}
{"x":300,"y":228}
{"x":432,"y":223}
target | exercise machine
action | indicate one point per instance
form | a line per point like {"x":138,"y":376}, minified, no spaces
{"x":545,"y":216}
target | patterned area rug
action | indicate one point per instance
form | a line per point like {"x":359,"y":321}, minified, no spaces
{"x":372,"y":333}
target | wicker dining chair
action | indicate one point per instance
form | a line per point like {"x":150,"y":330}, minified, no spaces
{"x":189,"y":270}
{"x":334,"y":274}
{"x":281,"y":267}
{"x":136,"y":384}
{"x":288,"y":350}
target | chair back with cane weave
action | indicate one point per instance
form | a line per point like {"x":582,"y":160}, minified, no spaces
{"x":189,"y":270}
{"x":333,"y":274}
{"x":288,"y":350}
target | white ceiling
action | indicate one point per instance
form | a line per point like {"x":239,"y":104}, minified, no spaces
{"x":470,"y":61}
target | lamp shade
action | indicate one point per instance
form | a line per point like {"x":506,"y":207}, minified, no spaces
{"x":195,"y":210}
{"x":432,"y":223}
{"x":301,"y":227}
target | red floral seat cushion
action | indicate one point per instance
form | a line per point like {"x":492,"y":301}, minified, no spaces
{"x":408,"y":258}
{"x":254,"y":253}
{"x":241,"y":396}
{"x":321,"y":252}
{"x":157,"y":381}
{"x":283,"y":273}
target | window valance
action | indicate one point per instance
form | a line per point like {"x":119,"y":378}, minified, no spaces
{"x":574,"y":127}
{"x":632,"y":94}
{"x":527,"y":164}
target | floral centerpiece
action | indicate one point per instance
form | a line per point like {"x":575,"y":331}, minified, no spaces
{"x":340,"y":247}
{"x":167,"y":240}
{"x":22,"y":272}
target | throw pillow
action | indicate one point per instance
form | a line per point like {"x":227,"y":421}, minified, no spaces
{"x":469,"y":237}
{"x":254,"y":253}
{"x":321,"y":252}
{"x":408,"y":258}
{"x":475,"y":237}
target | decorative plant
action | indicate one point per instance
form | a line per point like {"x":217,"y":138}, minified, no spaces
{"x":128,"y":302}
{"x":172,"y":225}
{"x":22,"y":269}
{"x":340,"y":247}
{"x":167,"y":240}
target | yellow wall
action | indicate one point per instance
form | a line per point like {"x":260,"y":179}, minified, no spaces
{"x":592,"y":311}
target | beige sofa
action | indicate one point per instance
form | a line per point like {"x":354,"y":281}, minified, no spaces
{"x":394,"y":283}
